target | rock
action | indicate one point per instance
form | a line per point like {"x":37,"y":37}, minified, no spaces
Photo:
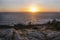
{"x":12,"y":34}
{"x":9,"y":34}
{"x":6,"y":34}
{"x":34,"y":35}
{"x":57,"y":38}
{"x":52,"y":35}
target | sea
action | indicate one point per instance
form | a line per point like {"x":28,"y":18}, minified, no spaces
{"x":11,"y":18}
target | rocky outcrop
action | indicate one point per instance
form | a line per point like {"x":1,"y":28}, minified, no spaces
{"x":34,"y":35}
{"x":12,"y":34}
{"x":52,"y":35}
{"x":9,"y":34}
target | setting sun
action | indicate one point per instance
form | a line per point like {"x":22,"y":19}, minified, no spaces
{"x":33,"y":9}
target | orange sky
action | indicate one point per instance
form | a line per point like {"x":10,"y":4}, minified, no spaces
{"x":22,"y":5}
{"x":26,"y":10}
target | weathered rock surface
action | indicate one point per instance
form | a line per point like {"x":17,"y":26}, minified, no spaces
{"x":12,"y":34}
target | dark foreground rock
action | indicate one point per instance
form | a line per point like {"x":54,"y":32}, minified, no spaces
{"x":12,"y":34}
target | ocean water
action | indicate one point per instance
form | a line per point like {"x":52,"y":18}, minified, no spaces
{"x":10,"y":18}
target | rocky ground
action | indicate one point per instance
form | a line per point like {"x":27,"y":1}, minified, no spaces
{"x":28,"y":34}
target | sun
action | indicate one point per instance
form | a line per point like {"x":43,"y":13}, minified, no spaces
{"x":33,"y":9}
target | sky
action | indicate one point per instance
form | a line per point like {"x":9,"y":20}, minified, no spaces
{"x":21,"y":5}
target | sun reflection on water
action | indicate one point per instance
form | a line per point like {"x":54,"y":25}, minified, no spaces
{"x":33,"y":17}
